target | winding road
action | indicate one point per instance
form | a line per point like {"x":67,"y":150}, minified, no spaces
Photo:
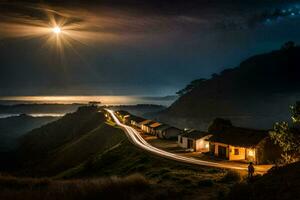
{"x":135,"y":137}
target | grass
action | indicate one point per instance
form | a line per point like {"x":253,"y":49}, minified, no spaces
{"x":77,"y":151}
{"x":100,"y":188}
{"x":77,"y":168}
{"x":232,"y":176}
{"x":95,"y":142}
{"x":282,"y":183}
{"x":183,"y":179}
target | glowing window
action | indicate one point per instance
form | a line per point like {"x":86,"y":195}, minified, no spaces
{"x":250,"y":152}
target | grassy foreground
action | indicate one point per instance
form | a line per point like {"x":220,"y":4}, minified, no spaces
{"x":86,"y":157}
{"x":130,"y":187}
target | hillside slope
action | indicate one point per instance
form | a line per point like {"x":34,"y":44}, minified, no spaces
{"x":67,"y":142}
{"x":185,"y":181}
{"x":12,"y":128}
{"x":83,"y":146}
{"x":283,"y":184}
{"x":256,"y":93}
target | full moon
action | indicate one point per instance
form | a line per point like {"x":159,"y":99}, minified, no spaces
{"x":56,"y":30}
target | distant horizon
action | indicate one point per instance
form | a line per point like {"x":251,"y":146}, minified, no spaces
{"x":104,"y":99}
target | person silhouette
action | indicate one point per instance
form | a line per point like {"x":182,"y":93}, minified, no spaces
{"x":250,"y":170}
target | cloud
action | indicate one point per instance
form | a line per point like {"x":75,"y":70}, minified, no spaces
{"x":127,"y":21}
{"x":87,"y":24}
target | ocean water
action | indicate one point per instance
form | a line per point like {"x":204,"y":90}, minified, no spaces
{"x":105,"y":100}
{"x":8,"y":115}
{"x":2,"y":116}
{"x":67,"y":100}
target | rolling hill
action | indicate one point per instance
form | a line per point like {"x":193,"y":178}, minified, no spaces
{"x":256,"y":94}
{"x":67,"y":142}
{"x":12,"y":128}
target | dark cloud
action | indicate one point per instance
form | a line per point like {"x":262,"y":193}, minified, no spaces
{"x":133,"y":46}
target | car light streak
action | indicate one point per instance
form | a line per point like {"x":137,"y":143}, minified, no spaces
{"x":139,"y":141}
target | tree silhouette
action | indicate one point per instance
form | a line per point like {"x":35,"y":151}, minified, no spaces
{"x":288,"y":45}
{"x":288,"y":137}
{"x":191,"y":86}
{"x":296,"y":112}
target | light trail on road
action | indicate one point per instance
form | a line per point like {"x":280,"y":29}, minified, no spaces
{"x":140,"y":142}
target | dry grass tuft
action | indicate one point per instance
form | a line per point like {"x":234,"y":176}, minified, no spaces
{"x":131,"y":187}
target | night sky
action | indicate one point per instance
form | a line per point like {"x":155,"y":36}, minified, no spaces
{"x":133,"y":47}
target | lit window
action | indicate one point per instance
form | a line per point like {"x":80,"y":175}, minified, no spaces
{"x":250,"y":152}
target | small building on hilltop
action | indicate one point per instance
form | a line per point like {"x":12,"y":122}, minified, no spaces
{"x":124,"y":116}
{"x":167,"y":132}
{"x":154,"y":126}
{"x":196,"y":140}
{"x":135,"y":120}
{"x":235,"y":143}
{"x":145,"y":125}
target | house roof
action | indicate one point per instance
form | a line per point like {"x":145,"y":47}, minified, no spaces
{"x":162,"y":127}
{"x":171,"y":127}
{"x":146,"y":122}
{"x":195,"y":134}
{"x":156,"y":124}
{"x":123,"y":112}
{"x":136,"y":118}
{"x":237,"y":136}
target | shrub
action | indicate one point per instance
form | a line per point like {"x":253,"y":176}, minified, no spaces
{"x":130,"y":187}
{"x":231,"y":176}
{"x":205,"y":183}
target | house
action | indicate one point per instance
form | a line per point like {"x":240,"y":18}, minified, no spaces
{"x":167,"y":132}
{"x":145,"y":125}
{"x":196,"y":140}
{"x":153,"y":127}
{"x":124,"y":116}
{"x":235,"y":143}
{"x":159,"y":130}
{"x":135,"y":120}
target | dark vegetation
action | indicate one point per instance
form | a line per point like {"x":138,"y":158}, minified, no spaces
{"x":182,"y":179}
{"x":66,"y":142}
{"x":254,"y":94}
{"x":12,"y":128}
{"x":130,"y":187}
{"x":287,"y":136}
{"x":279,"y":183}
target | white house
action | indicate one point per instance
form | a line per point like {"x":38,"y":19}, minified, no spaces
{"x":154,"y":126}
{"x":145,"y":125}
{"x":135,"y":120}
{"x":195,"y":140}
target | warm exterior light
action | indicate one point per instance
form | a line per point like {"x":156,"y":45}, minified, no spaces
{"x":250,"y":152}
{"x":207,"y":145}
{"x":56,"y":30}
